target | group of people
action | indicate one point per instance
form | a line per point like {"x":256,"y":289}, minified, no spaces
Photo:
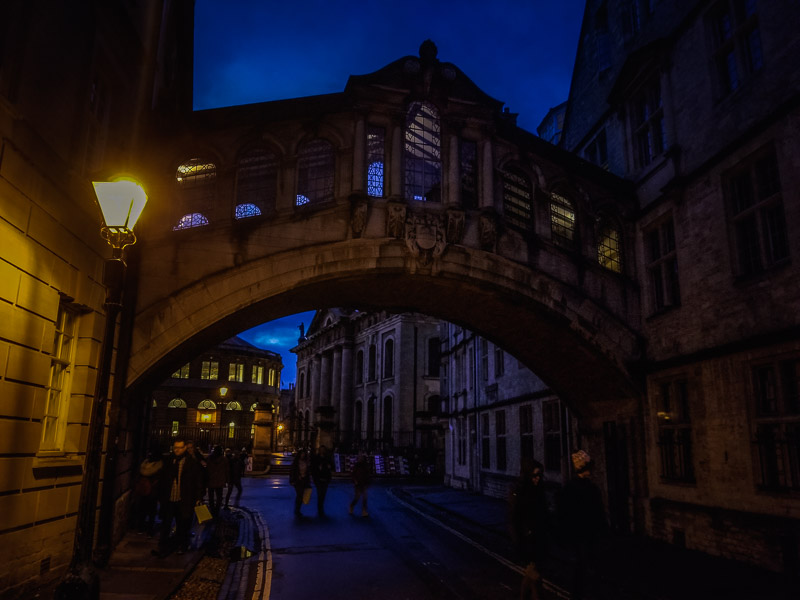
{"x":319,"y":468}
{"x":171,"y":486}
{"x":580,"y":518}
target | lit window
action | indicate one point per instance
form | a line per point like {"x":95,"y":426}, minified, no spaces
{"x":191,"y":220}
{"x":375,"y":160}
{"x":258,"y":374}
{"x":54,"y":420}
{"x":233,"y":406}
{"x":315,"y":172}
{"x":244,"y":211}
{"x":209,"y":370}
{"x":517,"y":205}
{"x":608,"y":249}
{"x":176,"y":403}
{"x":273,"y":378}
{"x":423,"y":160}
{"x":236,"y":372}
{"x":195,"y":172}
{"x":253,"y":407}
{"x":231,"y":429}
{"x":562,"y":221}
{"x":176,"y":428}
{"x":207,"y":404}
{"x":182,"y":373}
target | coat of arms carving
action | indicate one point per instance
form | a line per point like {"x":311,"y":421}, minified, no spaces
{"x":425,"y":237}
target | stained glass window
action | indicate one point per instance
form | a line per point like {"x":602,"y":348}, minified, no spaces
{"x":176,"y":403}
{"x":196,"y":171}
{"x":191,"y":220}
{"x":256,"y":182}
{"x":608,"y":249}
{"x":517,"y":200}
{"x":247,"y":210}
{"x":423,"y":160}
{"x":376,"y":138}
{"x":315,"y":171}
{"x":207,"y":404}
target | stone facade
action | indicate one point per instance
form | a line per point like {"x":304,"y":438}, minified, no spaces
{"x":697,"y":104}
{"x":232,"y":379}
{"x":376,"y":372}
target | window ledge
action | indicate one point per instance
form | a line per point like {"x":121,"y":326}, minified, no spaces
{"x":57,"y":460}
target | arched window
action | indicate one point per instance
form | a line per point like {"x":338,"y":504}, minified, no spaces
{"x":191,"y":220}
{"x":253,"y":407}
{"x":246,"y":210}
{"x":176,"y":403}
{"x":360,"y":366}
{"x":155,"y":404}
{"x":233,"y":406}
{"x":207,"y":405}
{"x":195,"y":171}
{"x":517,"y":205}
{"x":315,"y":170}
{"x":608,"y":249}
{"x":375,"y":160}
{"x":256,"y":183}
{"x":388,"y":358}
{"x":423,"y":153}
{"x":562,"y":221}
{"x":371,"y":371}
{"x":387,"y":419}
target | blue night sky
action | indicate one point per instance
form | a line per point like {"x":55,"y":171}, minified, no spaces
{"x":518,"y":51}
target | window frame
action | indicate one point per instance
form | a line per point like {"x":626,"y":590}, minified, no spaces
{"x":422,"y":160}
{"x":563,"y":221}
{"x":518,"y":195}
{"x":732,"y":53}
{"x":674,"y":430}
{"x":663,"y":272}
{"x":316,"y":172}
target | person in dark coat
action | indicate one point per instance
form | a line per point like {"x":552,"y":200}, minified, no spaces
{"x":181,"y":489}
{"x":360,"y":485}
{"x":322,"y":472}
{"x":217,"y":471}
{"x":235,"y":471}
{"x":583,"y":519}
{"x":300,"y":479}
{"x":529,"y":525}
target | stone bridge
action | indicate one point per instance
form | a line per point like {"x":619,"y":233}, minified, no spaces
{"x":410,"y":190}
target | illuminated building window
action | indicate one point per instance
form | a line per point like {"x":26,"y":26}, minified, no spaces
{"x":757,"y":219}
{"x":608,"y":249}
{"x":176,"y":403}
{"x":196,"y":171}
{"x":253,"y":407}
{"x":562,"y":221}
{"x":236,"y":372}
{"x":468,"y":153}
{"x":233,"y":406}
{"x":517,"y":205}
{"x":256,"y":183}
{"x":231,"y":429}
{"x":244,"y":211}
{"x":273,"y":377}
{"x":315,"y":172}
{"x":423,"y":158}
{"x":54,"y":420}
{"x":182,"y":373}
{"x":375,"y":161}
{"x":155,"y":404}
{"x":675,"y":431}
{"x":209,"y":370}
{"x":207,"y":404}
{"x":258,"y":374}
{"x":191,"y":220}
{"x":176,"y":428}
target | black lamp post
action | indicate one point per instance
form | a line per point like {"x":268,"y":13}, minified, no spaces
{"x":121,"y":201}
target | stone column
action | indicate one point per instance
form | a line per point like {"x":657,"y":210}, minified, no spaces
{"x":486,"y":199}
{"x":396,"y":179}
{"x":325,"y":380}
{"x":336,"y":383}
{"x":346,"y":390}
{"x":315,"y":377}
{"x":359,"y":157}
{"x":453,"y":174}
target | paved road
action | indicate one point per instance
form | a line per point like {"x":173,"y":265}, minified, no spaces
{"x":393,"y":554}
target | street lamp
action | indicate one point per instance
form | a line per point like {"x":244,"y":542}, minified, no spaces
{"x":121,"y":202}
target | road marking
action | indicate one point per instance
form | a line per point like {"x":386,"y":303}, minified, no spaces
{"x":546,"y":583}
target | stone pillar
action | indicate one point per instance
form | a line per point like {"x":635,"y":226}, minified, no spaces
{"x":346,"y":393}
{"x":396,"y":179}
{"x":325,"y":380}
{"x":262,"y":440}
{"x":359,"y":157}
{"x":315,"y":377}
{"x":336,"y":382}
{"x":486,"y":199}
{"x":453,"y":174}
{"x":326,"y":427}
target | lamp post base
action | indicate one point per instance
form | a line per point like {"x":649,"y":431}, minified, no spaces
{"x":81,"y":583}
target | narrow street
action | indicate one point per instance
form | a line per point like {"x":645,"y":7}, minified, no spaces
{"x":395,"y":553}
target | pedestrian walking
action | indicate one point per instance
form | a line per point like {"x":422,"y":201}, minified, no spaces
{"x":146,"y":491}
{"x":360,"y":484}
{"x":235,"y":470}
{"x":180,"y":491}
{"x":529,"y":525}
{"x":300,"y":479}
{"x":217,"y":470}
{"x":583,"y":520}
{"x":196,"y":454}
{"x":322,"y":473}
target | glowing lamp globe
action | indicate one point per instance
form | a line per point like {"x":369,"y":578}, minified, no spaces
{"x":121,"y":200}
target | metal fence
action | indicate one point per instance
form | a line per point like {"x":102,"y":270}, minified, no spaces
{"x":203,"y":437}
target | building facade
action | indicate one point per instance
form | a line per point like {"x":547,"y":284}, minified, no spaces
{"x":212,"y":399}
{"x":698,"y":104}
{"x":499,"y":413}
{"x":378,"y":373}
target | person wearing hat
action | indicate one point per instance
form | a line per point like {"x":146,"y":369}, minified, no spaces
{"x":583,"y":518}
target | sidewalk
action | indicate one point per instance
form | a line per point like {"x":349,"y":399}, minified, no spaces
{"x":626,"y":567}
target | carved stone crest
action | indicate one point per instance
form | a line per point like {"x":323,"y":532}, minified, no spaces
{"x":455,"y":226}
{"x":425,"y":237}
{"x":396,"y":219}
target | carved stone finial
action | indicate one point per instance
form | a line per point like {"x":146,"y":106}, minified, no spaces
{"x":428,"y":51}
